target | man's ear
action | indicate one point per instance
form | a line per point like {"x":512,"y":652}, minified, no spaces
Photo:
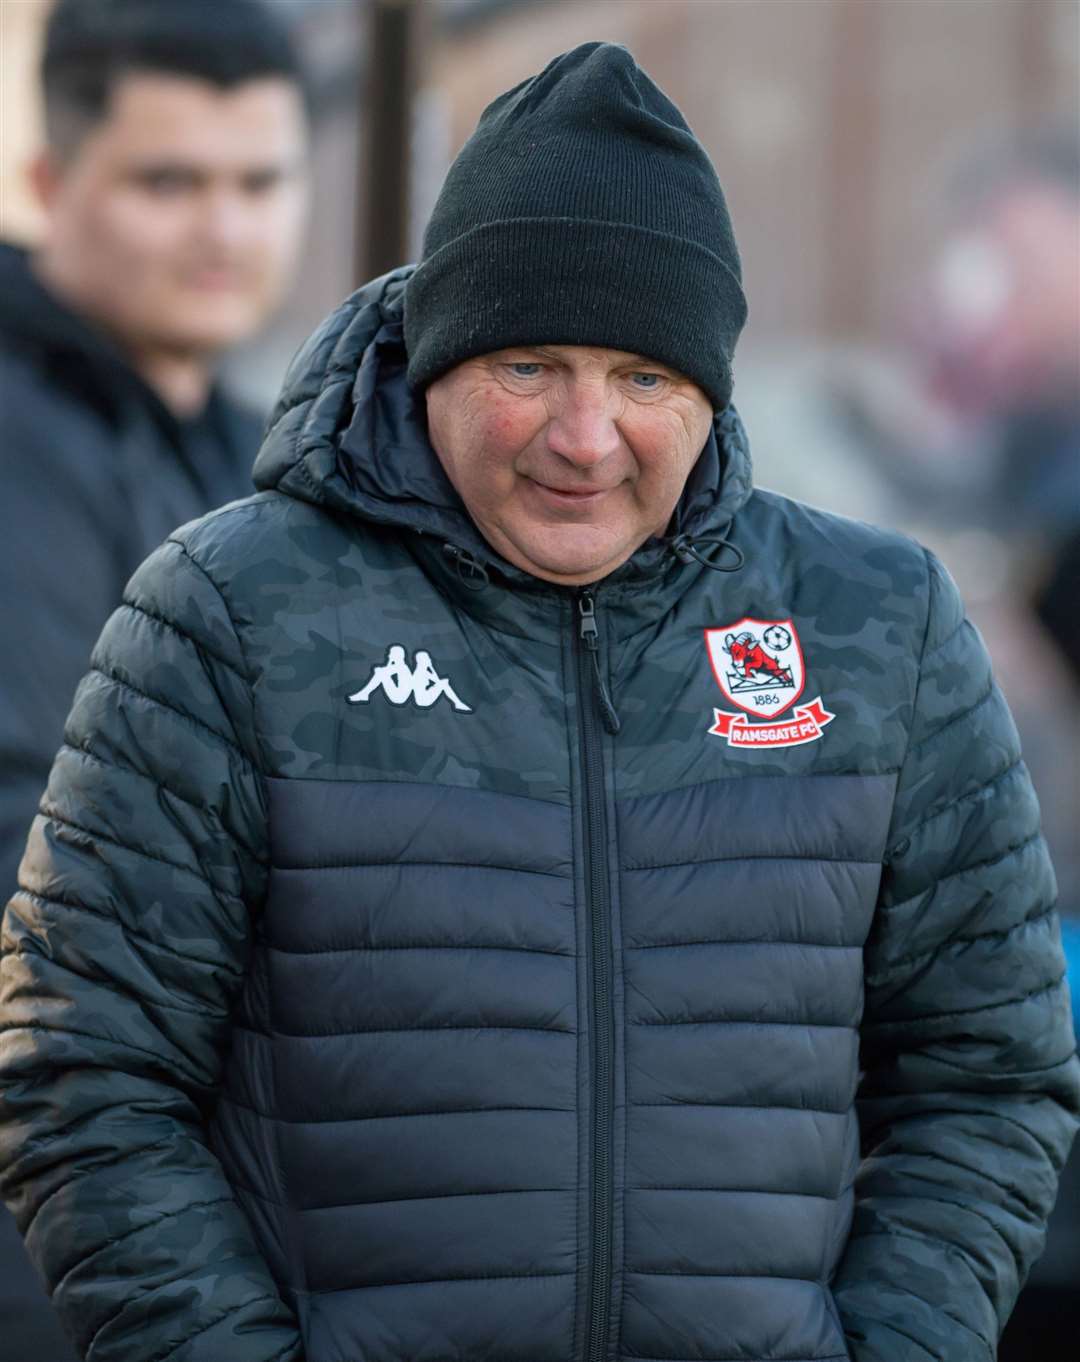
{"x":44,"y":173}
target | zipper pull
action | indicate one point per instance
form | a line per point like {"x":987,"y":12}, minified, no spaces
{"x":590,"y":637}
{"x":471,"y":572}
{"x":589,"y":633}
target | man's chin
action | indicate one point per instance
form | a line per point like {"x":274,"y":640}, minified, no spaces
{"x":204,"y":342}
{"x":208,"y":330}
{"x":571,"y":564}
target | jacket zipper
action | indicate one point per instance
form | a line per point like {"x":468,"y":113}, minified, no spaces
{"x":594,"y":702}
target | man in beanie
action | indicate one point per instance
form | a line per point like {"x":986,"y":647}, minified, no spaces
{"x":514,"y":893}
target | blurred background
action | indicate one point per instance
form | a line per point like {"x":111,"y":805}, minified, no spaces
{"x":904,"y":180}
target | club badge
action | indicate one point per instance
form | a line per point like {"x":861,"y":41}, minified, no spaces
{"x":758,"y":664}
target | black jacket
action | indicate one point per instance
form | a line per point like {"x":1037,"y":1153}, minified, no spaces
{"x":372,"y":996}
{"x":95,"y":472}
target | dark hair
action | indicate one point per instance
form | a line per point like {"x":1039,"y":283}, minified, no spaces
{"x":92,"y":44}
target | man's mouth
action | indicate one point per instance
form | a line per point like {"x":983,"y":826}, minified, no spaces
{"x":216,"y":278}
{"x":570,"y":496}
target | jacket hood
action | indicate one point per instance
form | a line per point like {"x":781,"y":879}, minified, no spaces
{"x":348,"y":434}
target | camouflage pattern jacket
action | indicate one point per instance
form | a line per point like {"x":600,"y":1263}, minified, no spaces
{"x":369,"y":998}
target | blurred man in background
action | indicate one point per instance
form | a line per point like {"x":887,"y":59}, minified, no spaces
{"x":996,"y":344}
{"x":1006,"y":360}
{"x":1004,"y":331}
{"x":173,"y":184}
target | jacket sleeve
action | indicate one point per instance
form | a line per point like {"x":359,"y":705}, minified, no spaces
{"x":122,"y":954}
{"x":969,"y":1095}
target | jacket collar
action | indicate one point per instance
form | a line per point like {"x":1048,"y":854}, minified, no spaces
{"x":84,"y":361}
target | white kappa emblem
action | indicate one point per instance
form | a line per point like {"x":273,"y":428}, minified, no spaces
{"x":759,"y":666}
{"x":400,"y":683}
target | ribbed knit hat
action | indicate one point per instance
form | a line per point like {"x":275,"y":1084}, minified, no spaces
{"x":582,"y":211}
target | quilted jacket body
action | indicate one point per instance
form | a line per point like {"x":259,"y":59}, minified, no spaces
{"x":369,"y":1010}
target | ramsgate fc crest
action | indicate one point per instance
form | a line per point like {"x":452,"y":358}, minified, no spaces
{"x":759,"y":666}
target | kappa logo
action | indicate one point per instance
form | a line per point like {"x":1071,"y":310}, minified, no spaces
{"x":421,"y":683}
{"x":759,"y":666}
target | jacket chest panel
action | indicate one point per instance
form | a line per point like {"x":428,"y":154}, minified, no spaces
{"x":771,"y":672}
{"x":417,"y":693}
{"x":679,"y":727}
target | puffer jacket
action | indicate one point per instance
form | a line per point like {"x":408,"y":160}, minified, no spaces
{"x":419,"y":962}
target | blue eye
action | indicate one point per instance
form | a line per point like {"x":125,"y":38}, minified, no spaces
{"x":646,"y":382}
{"x":525,"y":370}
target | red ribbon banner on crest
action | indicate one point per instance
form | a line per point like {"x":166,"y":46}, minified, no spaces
{"x":804,"y":725}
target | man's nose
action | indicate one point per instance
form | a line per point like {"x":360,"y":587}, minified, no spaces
{"x":226,"y":220}
{"x":583,"y":429}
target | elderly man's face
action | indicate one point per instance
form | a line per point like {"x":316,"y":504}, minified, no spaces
{"x":567,"y":457}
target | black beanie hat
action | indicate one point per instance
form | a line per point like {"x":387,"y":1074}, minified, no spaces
{"x":582,"y":211}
